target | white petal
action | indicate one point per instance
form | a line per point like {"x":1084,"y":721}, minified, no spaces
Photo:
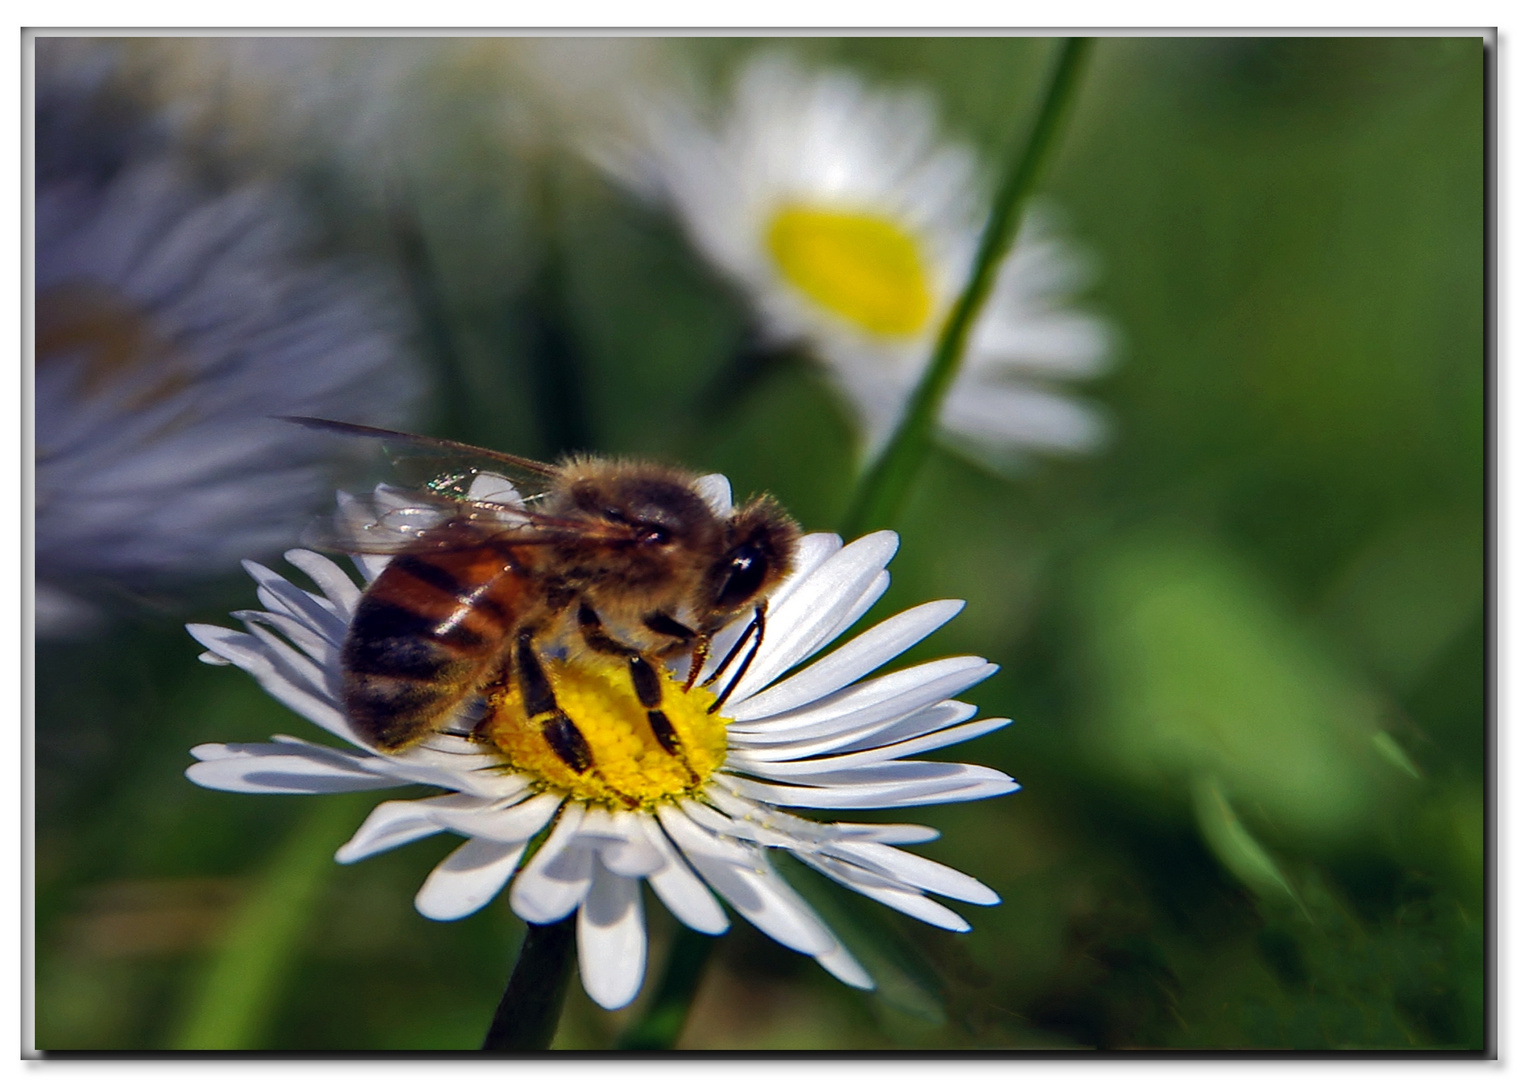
{"x":613,"y":941}
{"x":883,"y":796}
{"x":1054,"y":344}
{"x":859,"y":736}
{"x":865,"y":705}
{"x":279,"y":594}
{"x":868,"y":597}
{"x":885,"y":834}
{"x":952,"y":773}
{"x":844,"y":665}
{"x":803,"y":830}
{"x":557,"y":878}
{"x":277,"y":768}
{"x":619,"y":839}
{"x":468,"y":878}
{"x":681,"y":891}
{"x":914,"y":870}
{"x":319,"y":649}
{"x":389,"y":825}
{"x":1021,"y":415}
{"x":506,"y":823}
{"x":247,"y":652}
{"x":232,"y":646}
{"x":751,"y":825}
{"x":371,"y":565}
{"x":715,"y":490}
{"x":812,"y":551}
{"x":819,"y":766}
{"x":474,"y":772}
{"x":299,"y":669}
{"x":753,"y":889}
{"x":696,"y":840}
{"x":908,"y":901}
{"x":337,"y":586}
{"x":762,"y":898}
{"x":842,"y":965}
{"x":937,"y":717}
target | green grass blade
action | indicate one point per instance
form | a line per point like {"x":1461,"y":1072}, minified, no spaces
{"x":243,"y":984}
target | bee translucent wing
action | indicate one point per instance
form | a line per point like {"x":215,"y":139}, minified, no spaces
{"x":441,"y":465}
{"x":359,"y":531}
{"x":393,"y":521}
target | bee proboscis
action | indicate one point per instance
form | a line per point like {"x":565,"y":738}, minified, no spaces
{"x":623,"y":558}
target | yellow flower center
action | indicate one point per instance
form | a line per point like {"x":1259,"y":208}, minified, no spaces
{"x":629,"y":767}
{"x":862,"y":267}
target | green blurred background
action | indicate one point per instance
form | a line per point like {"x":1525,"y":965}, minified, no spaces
{"x":1244,"y":646}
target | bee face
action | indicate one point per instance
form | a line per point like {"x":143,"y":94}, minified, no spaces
{"x":755,"y":556}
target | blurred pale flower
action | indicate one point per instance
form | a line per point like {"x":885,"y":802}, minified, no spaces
{"x":823,"y":738}
{"x":391,"y":111}
{"x":172,"y":322}
{"x":851,"y":225}
{"x":286,"y":102}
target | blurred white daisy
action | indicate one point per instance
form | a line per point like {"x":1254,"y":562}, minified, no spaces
{"x":172,"y":322}
{"x":851,"y":225}
{"x":386,"y":112}
{"x":823,"y":738}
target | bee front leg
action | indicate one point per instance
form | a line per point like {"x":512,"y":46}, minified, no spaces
{"x":700,"y":644}
{"x":645,"y":682}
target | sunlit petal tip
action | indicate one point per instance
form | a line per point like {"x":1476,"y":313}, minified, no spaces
{"x":717,"y":492}
{"x":612,"y":940}
{"x":842,"y":965}
{"x":467,"y":879}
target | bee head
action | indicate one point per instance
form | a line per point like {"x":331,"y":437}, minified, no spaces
{"x":757,"y":554}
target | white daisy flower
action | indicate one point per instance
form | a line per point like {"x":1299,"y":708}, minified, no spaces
{"x":851,"y":225}
{"x":694,"y":828}
{"x":172,"y":323}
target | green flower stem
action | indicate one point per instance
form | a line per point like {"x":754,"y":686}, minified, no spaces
{"x":247,"y":976}
{"x":527,"y":1016}
{"x":660,"y":1027}
{"x":885,"y":484}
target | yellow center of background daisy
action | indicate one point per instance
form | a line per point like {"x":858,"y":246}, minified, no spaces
{"x":862,"y":267}
{"x":629,"y":768}
{"x":112,"y":338}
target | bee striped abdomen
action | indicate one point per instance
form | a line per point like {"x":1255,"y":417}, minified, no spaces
{"x":424,"y":635}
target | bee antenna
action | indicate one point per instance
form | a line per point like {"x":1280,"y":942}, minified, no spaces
{"x":732,"y":653}
{"x":757,"y":628}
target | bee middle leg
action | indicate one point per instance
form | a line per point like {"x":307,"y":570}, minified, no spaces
{"x":645,"y":680}
{"x":566,"y":740}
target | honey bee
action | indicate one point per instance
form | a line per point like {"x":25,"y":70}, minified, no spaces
{"x":624,"y":558}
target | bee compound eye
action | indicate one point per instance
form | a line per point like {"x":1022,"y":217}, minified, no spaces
{"x":746,"y":566}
